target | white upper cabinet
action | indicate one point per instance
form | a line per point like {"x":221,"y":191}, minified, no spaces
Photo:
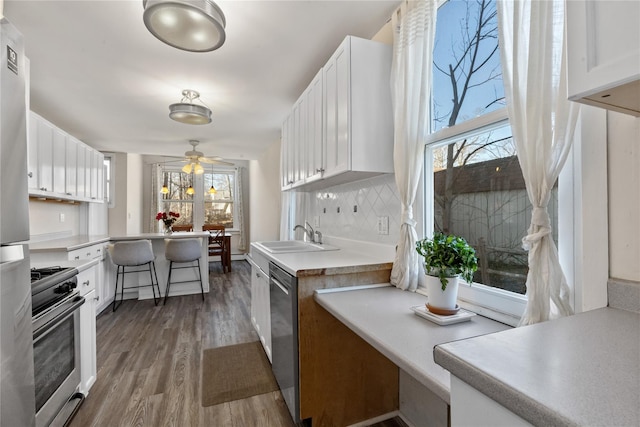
{"x":603,"y":51}
{"x":342,"y":125}
{"x":315,"y":119}
{"x":61,"y":166}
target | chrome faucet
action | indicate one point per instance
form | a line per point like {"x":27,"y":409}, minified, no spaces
{"x":309,"y":235}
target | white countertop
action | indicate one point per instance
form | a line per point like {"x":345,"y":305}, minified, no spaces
{"x":328,"y":262}
{"x":581,"y":370}
{"x":67,"y":243}
{"x":72,"y":243}
{"x":382,"y":316}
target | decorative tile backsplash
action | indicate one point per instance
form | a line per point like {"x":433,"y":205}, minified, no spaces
{"x":352,"y":210}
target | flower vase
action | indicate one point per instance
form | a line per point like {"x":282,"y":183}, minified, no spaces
{"x":168,"y":229}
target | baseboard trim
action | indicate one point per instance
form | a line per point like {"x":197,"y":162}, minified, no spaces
{"x":377,"y":419}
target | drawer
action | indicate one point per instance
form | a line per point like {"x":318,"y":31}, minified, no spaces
{"x":88,"y":252}
{"x":86,"y":281}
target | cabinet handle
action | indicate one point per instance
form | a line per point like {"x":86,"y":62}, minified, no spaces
{"x":86,"y":283}
{"x":43,"y":188}
{"x":98,"y":250}
{"x":76,"y":257}
{"x":88,"y":253}
{"x":97,"y":298}
{"x":30,"y":174}
{"x":320,"y":170}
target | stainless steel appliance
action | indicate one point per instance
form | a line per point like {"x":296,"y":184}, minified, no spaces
{"x":17,"y":397}
{"x":56,"y":344}
{"x":283,"y":293}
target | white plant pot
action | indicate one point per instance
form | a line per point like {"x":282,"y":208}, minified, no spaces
{"x":438,"y":298}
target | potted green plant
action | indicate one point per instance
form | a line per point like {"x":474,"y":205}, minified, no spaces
{"x":446,"y":257}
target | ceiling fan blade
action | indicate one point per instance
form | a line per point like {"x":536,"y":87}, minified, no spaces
{"x":211,"y":160}
{"x":216,"y":162}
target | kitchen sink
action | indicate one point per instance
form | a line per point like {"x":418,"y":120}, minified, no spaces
{"x":286,"y":246}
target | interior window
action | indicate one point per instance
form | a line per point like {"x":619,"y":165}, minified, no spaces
{"x":219,"y":196}
{"x":212,"y":200}
{"x":177,"y":199}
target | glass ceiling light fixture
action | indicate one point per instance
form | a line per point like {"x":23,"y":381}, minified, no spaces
{"x":190,"y":190}
{"x":191,"y":25}
{"x":212,"y":190}
{"x":189,"y":113}
{"x":165,"y":186}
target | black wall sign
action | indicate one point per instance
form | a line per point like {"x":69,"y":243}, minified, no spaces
{"x":12,"y":59}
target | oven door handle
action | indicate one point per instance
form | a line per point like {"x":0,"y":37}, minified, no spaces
{"x":55,"y":317}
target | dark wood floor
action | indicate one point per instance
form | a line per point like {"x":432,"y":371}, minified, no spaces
{"x":149,"y":361}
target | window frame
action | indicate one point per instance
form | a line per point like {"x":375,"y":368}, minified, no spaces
{"x":498,"y":304}
{"x":198,"y":199}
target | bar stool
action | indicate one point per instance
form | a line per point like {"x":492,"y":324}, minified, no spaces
{"x":136,"y":253}
{"x":183,"y":251}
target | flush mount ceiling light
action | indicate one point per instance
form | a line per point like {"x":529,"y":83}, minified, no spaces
{"x":191,"y":25}
{"x":189,"y":113}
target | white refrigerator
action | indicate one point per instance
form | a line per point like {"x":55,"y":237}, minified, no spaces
{"x":17,"y":395}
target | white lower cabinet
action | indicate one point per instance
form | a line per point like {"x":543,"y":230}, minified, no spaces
{"x":88,"y":365}
{"x":260,"y":311}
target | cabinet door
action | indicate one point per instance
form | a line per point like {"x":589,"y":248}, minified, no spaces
{"x":314,"y":153}
{"x":336,"y":79}
{"x":32,"y":151}
{"x":100,"y":176}
{"x":45,"y":155}
{"x":59,"y":155}
{"x":71,"y":185}
{"x":286,"y":155}
{"x":300,"y":142}
{"x":88,"y":365}
{"x":265,"y":313}
{"x":81,"y":175}
{"x":603,"y":54}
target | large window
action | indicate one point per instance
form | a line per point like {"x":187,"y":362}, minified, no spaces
{"x":473,"y":182}
{"x":219,"y":198}
{"x":200,"y":199}
{"x":178,"y":198}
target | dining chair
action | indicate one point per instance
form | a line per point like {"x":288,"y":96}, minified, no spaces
{"x":217,"y":246}
{"x":187,"y":227}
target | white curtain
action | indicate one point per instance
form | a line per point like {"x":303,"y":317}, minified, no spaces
{"x":414,"y":26}
{"x":532,"y":46}
{"x":154,"y":206}
{"x":242,"y":242}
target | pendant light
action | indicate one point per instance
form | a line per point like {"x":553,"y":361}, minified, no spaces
{"x":189,"y":113}
{"x":190,"y":191}
{"x":165,"y":187}
{"x":191,"y":25}
{"x":212,"y":190}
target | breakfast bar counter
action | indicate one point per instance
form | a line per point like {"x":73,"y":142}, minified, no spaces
{"x":162,"y":265}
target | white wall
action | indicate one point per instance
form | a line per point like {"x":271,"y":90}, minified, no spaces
{"x":264,"y":195}
{"x":44,"y":218}
{"x":135,"y":170}
{"x":118,"y":213}
{"x":623,"y":136}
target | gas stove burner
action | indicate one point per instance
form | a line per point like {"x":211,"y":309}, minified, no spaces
{"x":40,"y":273}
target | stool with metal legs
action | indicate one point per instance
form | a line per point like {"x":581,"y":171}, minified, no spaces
{"x":183,"y":251}
{"x":131,"y":254}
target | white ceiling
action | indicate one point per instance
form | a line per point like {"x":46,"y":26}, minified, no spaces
{"x":97,"y":73}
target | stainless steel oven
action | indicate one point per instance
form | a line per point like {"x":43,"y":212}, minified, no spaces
{"x":56,"y":345}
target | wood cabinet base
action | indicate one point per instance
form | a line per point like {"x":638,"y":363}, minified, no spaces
{"x":343,"y":380}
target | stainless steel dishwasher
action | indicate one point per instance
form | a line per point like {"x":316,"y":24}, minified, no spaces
{"x":283,"y":291}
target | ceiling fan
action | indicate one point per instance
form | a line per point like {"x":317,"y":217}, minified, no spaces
{"x":194,"y":158}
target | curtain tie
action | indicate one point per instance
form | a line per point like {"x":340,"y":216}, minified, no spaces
{"x":407,"y":216}
{"x":540,"y":227}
